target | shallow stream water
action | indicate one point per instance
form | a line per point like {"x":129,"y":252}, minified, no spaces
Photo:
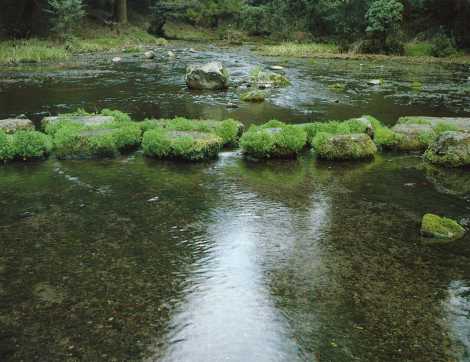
{"x":232,"y":260}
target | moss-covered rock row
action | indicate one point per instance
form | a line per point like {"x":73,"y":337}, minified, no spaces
{"x":450,"y":123}
{"x":229,"y":130}
{"x":450,"y":149}
{"x":441,"y":228}
{"x":181,"y":145}
{"x":273,"y":140}
{"x":24,"y":145}
{"x":11,"y":125}
{"x":354,"y":146}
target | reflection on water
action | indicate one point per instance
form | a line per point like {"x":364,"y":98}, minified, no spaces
{"x":231,"y":260}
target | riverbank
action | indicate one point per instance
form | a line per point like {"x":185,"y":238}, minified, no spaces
{"x":93,"y":39}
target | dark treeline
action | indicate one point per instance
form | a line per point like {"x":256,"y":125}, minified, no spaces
{"x":382,"y":24}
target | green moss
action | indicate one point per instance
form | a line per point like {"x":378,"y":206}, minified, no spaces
{"x":255,"y":96}
{"x":418,"y":49}
{"x":29,"y":145}
{"x":298,"y":50}
{"x":229,"y":130}
{"x":416,"y":86}
{"x":262,"y":77}
{"x":184,"y":145}
{"x":344,"y":146}
{"x":334,"y":127}
{"x":73,"y":140}
{"x":273,"y":140}
{"x":437,"y":227}
{"x":6,"y":148}
{"x":450,"y":149}
{"x":385,"y":138}
{"x":117,"y":115}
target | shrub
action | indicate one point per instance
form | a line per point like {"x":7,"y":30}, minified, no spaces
{"x":255,"y":20}
{"x":442,"y":46}
{"x":274,"y":139}
{"x":184,"y":145}
{"x":28,"y":145}
{"x":66,"y":16}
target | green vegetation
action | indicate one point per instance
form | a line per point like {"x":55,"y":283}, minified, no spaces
{"x":337,"y":87}
{"x":289,"y":49}
{"x":24,"y":145}
{"x":228,"y":130}
{"x":437,"y":227}
{"x":355,"y":146}
{"x":65,"y":16}
{"x":418,"y":49}
{"x":273,"y":140}
{"x":254,"y":96}
{"x":183,"y":145}
{"x":262,"y":77}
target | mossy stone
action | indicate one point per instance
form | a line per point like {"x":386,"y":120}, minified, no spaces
{"x":413,"y":137}
{"x":450,"y":149}
{"x":441,"y":228}
{"x":254,"y":96}
{"x":354,"y":146}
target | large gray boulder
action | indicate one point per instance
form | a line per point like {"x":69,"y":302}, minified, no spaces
{"x":450,"y":149}
{"x":12,"y":125}
{"x":207,"y":76}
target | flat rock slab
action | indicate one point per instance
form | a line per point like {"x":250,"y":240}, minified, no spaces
{"x":450,"y":149}
{"x":197,"y":136}
{"x":83,"y":120}
{"x":461,"y":123}
{"x":12,"y":125}
{"x":413,"y":136}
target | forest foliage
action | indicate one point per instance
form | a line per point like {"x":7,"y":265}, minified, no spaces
{"x":368,"y":25}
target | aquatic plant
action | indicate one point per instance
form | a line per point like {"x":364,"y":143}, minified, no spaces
{"x":6,"y":148}
{"x":266,"y":77}
{"x":184,"y":145}
{"x":117,"y":115}
{"x":273,"y":140}
{"x":337,"y":87}
{"x":354,"y":146}
{"x":434,"y":226}
{"x":335,"y":127}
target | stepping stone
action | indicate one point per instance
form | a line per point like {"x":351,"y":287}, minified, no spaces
{"x":82,"y":120}
{"x":354,"y":146}
{"x":461,"y":123}
{"x":450,"y":149}
{"x":413,"y":137}
{"x":12,"y":125}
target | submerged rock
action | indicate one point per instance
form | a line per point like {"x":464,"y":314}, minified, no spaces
{"x":207,"y":76}
{"x":354,"y":146}
{"x":453,"y":181}
{"x":46,"y":293}
{"x":413,"y":137}
{"x":268,"y":79}
{"x":450,"y":149}
{"x":12,"y":125}
{"x":375,"y":82}
{"x":276,"y":67}
{"x":149,"y":55}
{"x":116,"y":59}
{"x":82,"y":120}
{"x":441,"y":228}
{"x":254,"y":96}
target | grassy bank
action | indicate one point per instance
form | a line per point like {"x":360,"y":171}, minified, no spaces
{"x":92,"y":38}
{"x":414,"y":53}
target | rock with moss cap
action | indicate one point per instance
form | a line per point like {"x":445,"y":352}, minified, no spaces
{"x":354,"y":146}
{"x":437,"y":228}
{"x":209,"y":76}
{"x":450,"y":149}
{"x":458,"y":123}
{"x":413,"y":137}
{"x":255,"y":96}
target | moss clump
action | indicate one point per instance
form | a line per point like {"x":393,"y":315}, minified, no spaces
{"x":413,"y":137}
{"x":229,"y":130}
{"x":273,"y":140}
{"x":260,"y":77}
{"x":24,"y":145}
{"x":183,"y":145}
{"x":254,"y":96}
{"x":450,"y":149}
{"x":354,"y":146}
{"x":76,"y":141}
{"x":357,"y":125}
{"x":437,"y":227}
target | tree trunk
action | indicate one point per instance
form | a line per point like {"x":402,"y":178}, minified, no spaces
{"x":120,"y":11}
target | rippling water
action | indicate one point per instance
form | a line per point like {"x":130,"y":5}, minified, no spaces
{"x":134,"y":259}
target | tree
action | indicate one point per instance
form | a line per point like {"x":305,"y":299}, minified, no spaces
{"x":65,"y":16}
{"x":120,"y":11}
{"x":383,"y":19}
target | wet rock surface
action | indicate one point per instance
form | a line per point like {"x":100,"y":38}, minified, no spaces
{"x":210,"y":76}
{"x":450,"y":149}
{"x":82,"y":120}
{"x":12,"y":125}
